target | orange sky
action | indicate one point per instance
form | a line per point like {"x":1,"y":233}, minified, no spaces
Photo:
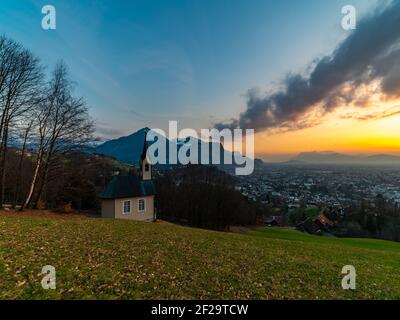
{"x":336,"y":134}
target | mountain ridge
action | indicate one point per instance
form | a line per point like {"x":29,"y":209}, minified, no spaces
{"x":129,"y":148}
{"x":331,"y":157}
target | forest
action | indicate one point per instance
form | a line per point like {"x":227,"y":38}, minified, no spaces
{"x":204,"y":197}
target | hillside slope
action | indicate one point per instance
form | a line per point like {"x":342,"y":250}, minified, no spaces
{"x":109,"y":259}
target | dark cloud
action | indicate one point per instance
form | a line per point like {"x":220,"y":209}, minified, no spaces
{"x":371,"y":52}
{"x":372,"y":115}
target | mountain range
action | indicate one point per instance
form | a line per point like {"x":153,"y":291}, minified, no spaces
{"x":129,"y":148}
{"x":330,"y":157}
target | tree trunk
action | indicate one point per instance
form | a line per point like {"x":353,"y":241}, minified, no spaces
{"x":42,"y":183}
{"x":3,"y":164}
{"x":18,"y":183}
{"x":46,"y":168}
{"x":34,"y":179}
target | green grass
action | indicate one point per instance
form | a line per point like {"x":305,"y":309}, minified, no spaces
{"x":110,"y":259}
{"x":292,"y":235}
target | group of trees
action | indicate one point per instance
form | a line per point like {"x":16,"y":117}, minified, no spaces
{"x":42,"y":118}
{"x":375,"y":219}
{"x":203,"y":197}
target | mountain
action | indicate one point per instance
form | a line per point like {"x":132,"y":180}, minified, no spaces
{"x":126,"y":149}
{"x":129,"y":148}
{"x":324,"y":157}
{"x":330,"y":157}
{"x":383,"y":158}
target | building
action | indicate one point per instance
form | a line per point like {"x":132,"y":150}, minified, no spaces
{"x":130,"y":197}
{"x":317,"y":225}
{"x":275,"y":221}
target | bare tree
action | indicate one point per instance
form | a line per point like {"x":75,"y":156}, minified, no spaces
{"x":63,"y":125}
{"x":21,"y":79}
{"x":19,"y":179}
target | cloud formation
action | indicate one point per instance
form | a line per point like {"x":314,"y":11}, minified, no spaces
{"x":372,"y":115}
{"x":370,"y":54}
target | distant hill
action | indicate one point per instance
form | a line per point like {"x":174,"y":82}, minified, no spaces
{"x":129,"y":148}
{"x":330,"y":157}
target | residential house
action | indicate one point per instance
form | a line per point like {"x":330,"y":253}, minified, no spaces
{"x":275,"y":221}
{"x":317,"y":225}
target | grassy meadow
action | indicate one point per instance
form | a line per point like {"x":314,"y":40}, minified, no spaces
{"x":114,"y":259}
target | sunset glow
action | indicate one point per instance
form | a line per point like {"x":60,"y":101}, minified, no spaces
{"x":352,"y":136}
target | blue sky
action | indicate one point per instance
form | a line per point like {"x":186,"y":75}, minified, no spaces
{"x":142,"y":63}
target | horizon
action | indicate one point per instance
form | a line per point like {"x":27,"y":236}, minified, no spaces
{"x":279,"y":158}
{"x":154,"y":62}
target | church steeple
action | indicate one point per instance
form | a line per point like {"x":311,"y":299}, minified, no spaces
{"x":145,"y":165}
